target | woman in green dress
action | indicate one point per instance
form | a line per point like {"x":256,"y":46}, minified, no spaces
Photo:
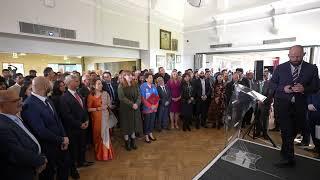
{"x":130,"y":116}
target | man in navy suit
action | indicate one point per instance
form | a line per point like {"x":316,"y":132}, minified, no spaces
{"x":41,"y":117}
{"x":202,"y":94}
{"x":20,"y":150}
{"x":76,"y":121}
{"x":293,"y":82}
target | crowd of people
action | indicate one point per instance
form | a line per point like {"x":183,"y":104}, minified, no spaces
{"x":62,"y":113}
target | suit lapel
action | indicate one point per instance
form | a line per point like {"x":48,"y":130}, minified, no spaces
{"x":75,"y":101}
{"x":289,"y":73}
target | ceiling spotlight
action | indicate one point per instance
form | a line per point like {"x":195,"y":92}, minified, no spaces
{"x":194,"y":3}
{"x":15,"y":55}
{"x":22,"y":54}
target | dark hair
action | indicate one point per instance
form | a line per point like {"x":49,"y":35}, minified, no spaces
{"x":56,"y":88}
{"x":2,"y":83}
{"x":18,"y":74}
{"x":107,"y":73}
{"x":47,"y":71}
{"x":159,"y":68}
{"x":3,"y":70}
{"x":120,"y":71}
{"x":93,"y":85}
{"x":185,"y":75}
{"x":146,"y":75}
{"x":32,"y":71}
{"x":24,"y":88}
{"x":240,"y":70}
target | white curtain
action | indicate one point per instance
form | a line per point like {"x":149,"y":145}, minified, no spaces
{"x":316,"y":57}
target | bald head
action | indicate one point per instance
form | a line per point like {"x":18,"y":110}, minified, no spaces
{"x":296,"y":54}
{"x":41,"y":85}
{"x":10,"y":102}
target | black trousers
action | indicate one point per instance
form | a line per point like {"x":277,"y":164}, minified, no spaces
{"x":314,"y":119}
{"x":77,"y":147}
{"x":292,"y":117}
{"x":262,"y":119}
{"x":58,"y":163}
{"x":202,"y":111}
{"x":247,"y":117}
{"x":276,"y":115}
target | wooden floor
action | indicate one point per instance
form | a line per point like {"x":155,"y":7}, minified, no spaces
{"x":175,"y":155}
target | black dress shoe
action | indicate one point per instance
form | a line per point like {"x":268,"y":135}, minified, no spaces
{"x":133,"y":144}
{"x":127,"y":145}
{"x":74,"y":174}
{"x":285,"y":164}
{"x":85,"y":164}
{"x":152,"y":139}
{"x":147,"y":141}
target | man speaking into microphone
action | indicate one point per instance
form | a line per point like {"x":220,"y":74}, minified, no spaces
{"x":293,"y":81}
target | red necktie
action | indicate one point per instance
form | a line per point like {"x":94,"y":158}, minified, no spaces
{"x":79,"y":99}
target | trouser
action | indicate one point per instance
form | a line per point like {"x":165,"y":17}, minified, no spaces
{"x":202,"y":107}
{"x":262,"y":119}
{"x":292,"y":118}
{"x":148,"y":122}
{"x":77,"y":147}
{"x":314,"y":119}
{"x":58,"y":163}
{"x":163,"y":116}
{"x":247,"y":117}
{"x":276,"y":115}
{"x":306,"y":131}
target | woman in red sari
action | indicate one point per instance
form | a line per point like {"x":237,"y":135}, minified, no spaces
{"x":98,"y":107}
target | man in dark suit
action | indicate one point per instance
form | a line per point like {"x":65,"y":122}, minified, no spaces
{"x":163,"y":108}
{"x":41,"y":117}
{"x":202,"y":94}
{"x":263,"y":111}
{"x":162,"y":73}
{"x":293,"y":82}
{"x":243,"y":80}
{"x":20,"y":150}
{"x":112,"y":89}
{"x":7,"y":78}
{"x":75,"y":121}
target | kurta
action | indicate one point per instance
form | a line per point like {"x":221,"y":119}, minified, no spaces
{"x":102,"y":152}
{"x":130,"y":119}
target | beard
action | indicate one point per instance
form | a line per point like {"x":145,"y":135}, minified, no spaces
{"x":202,"y":77}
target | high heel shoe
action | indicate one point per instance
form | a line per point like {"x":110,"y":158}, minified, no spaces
{"x":152,"y":139}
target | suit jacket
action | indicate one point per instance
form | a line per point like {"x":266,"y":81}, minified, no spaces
{"x":198,"y":89}
{"x":73,"y":113}
{"x":254,"y":85}
{"x":229,"y":91}
{"x":18,"y":153}
{"x":267,"y":91}
{"x":244,"y":81}
{"x":9,"y":82}
{"x":114,"y":85}
{"x":282,"y":77}
{"x":164,"y":96}
{"x":44,"y":124}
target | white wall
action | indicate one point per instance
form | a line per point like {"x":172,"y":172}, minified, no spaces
{"x":13,"y":43}
{"x":301,"y":22}
{"x":95,"y":21}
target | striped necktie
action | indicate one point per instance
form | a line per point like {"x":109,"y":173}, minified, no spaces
{"x":295,"y":74}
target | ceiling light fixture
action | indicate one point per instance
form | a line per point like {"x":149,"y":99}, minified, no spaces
{"x":195,"y":3}
{"x":14,"y":55}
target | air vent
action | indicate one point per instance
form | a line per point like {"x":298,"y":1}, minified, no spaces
{"x":282,"y":40}
{"x":46,"y":30}
{"x":124,"y":42}
{"x":221,"y":45}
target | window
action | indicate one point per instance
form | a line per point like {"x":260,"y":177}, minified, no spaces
{"x":13,"y":66}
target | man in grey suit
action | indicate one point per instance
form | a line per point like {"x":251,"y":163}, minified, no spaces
{"x":163,"y":109}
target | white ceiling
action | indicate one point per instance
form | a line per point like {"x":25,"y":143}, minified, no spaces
{"x":181,"y":11}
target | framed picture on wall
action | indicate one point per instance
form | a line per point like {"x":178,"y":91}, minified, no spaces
{"x":165,"y":39}
{"x":178,"y":58}
{"x":174,"y":44}
{"x":160,"y":61}
{"x":170,"y":64}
